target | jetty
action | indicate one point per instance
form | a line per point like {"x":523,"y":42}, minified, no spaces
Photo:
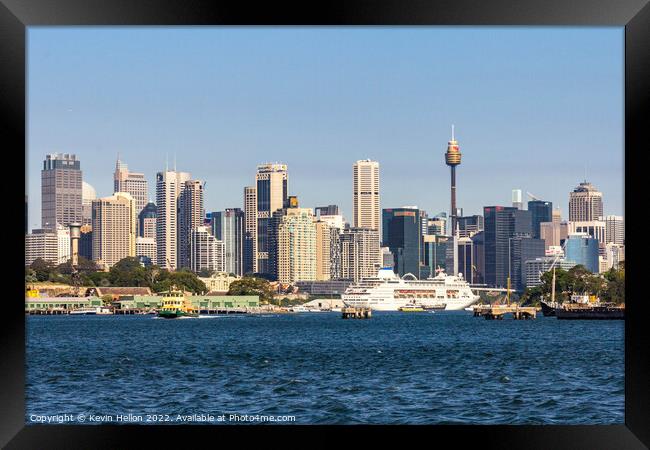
{"x":497,"y":312}
{"x":356,"y":313}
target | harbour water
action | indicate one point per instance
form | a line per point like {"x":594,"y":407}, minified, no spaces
{"x":395,"y":368}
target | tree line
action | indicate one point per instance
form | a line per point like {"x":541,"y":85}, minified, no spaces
{"x":608,"y":286}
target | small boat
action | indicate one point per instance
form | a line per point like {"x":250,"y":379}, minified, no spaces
{"x":411,"y":308}
{"x":175,"y":305}
{"x":87,"y":311}
{"x":435,"y":306}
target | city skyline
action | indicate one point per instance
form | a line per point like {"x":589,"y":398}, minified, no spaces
{"x":405,"y":129}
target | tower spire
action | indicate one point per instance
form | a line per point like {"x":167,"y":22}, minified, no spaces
{"x":452,"y":132}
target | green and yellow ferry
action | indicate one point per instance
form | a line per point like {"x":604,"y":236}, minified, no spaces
{"x":175,"y":305}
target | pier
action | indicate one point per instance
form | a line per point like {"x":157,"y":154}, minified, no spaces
{"x":356,"y":313}
{"x":497,"y":312}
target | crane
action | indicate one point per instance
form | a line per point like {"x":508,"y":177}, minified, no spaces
{"x":532,"y":197}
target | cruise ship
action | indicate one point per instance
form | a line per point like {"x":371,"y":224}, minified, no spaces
{"x":388,"y":292}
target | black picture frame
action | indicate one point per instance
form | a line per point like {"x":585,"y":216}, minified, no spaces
{"x":634,"y":15}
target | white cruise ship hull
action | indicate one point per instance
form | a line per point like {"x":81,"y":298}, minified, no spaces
{"x":388,"y":292}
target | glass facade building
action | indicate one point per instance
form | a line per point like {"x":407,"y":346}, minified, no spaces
{"x":583,"y":249}
{"x":402,"y":231}
{"x":540,"y":211}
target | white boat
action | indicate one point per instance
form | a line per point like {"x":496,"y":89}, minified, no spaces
{"x":86,"y":311}
{"x":389,"y":292}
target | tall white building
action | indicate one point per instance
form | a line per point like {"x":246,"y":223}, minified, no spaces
{"x":585,"y":203}
{"x":594,"y":228}
{"x":365,"y":195}
{"x":169,"y":185}
{"x":88,"y":194}
{"x":292,"y":245}
{"x":206,"y":251}
{"x":614,"y":230}
{"x":517,"y":199}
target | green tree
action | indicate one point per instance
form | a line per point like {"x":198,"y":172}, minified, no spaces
{"x":128,"y":272}
{"x":180,"y":279}
{"x":252,"y":286}
{"x":42,"y":269}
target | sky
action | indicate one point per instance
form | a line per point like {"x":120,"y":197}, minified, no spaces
{"x":535,"y":108}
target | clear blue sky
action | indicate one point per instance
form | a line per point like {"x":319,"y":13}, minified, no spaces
{"x":534,"y":108}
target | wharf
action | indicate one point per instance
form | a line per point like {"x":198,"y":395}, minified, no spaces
{"x":356,"y":313}
{"x":496,"y":312}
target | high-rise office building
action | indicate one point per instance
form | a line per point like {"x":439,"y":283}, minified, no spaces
{"x":329,"y":210}
{"x":594,"y":228}
{"x":556,"y":215}
{"x":169,"y":185}
{"x":523,"y":249}
{"x":271,"y":190}
{"x":250,"y":229}
{"x":585,"y":203}
{"x":147,"y":221}
{"x":478,"y":245}
{"x":88,"y":194}
{"x":434,"y":254}
{"x":360,"y":254}
{"x":583,"y":249}
{"x":437,"y":225}
{"x":533,"y":268}
{"x":228,"y":227}
{"x":540,"y":211}
{"x":114,"y":222}
{"x":401,"y":230}
{"x":61,"y":190}
{"x":501,"y":224}
{"x":292,"y":245}
{"x":468,"y":226}
{"x":614,"y":230}
{"x":365,"y":194}
{"x":131,"y":182}
{"x":190,"y":216}
{"x":206,"y":251}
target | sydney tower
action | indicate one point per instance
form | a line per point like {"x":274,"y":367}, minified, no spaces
{"x":452,"y":158}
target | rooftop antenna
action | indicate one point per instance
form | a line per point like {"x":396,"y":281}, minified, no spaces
{"x":166,"y":162}
{"x":174,"y":161}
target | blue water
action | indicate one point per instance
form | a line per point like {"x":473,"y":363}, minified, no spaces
{"x":395,"y":368}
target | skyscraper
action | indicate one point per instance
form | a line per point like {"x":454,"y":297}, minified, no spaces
{"x":541,"y":211}
{"x":292,"y":245}
{"x":271,"y":192}
{"x":169,"y":185}
{"x":206,"y":251}
{"x":468,"y":226}
{"x":585,"y":203}
{"x":501,"y":224}
{"x":61,"y":190}
{"x":190,"y":216}
{"x":228,"y":227}
{"x":401,"y":229}
{"x":250,"y":229}
{"x":452,"y":159}
{"x":360,"y":253}
{"x":131,"y":182}
{"x":323,"y":250}
{"x":365,"y":194}
{"x":147,"y":222}
{"x":114,"y":223}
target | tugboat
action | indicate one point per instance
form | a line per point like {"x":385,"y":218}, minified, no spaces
{"x":176,"y":305}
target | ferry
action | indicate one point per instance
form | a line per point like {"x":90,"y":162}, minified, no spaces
{"x":388,"y":292}
{"x":175,"y":305}
{"x":411,"y":308}
{"x":91,"y":311}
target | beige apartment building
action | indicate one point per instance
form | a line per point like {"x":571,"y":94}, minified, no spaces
{"x":114,"y":222}
{"x":131,"y":182}
{"x":323,"y":250}
{"x":294,"y":245}
{"x":360,"y":253}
